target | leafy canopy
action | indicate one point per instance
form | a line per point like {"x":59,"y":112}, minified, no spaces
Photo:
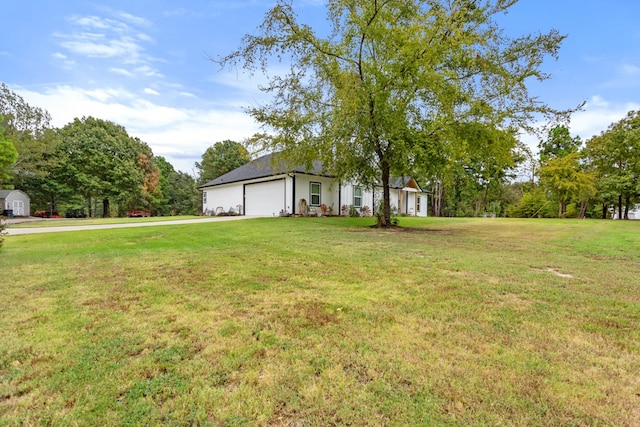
{"x":380,"y":94}
{"x":8,"y":156}
{"x":100,"y":160}
{"x":615,"y":154}
{"x":220,"y":158}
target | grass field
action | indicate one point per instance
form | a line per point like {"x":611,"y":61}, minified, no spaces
{"x":324,"y":321}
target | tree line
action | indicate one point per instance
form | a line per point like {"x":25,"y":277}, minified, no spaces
{"x":88,"y":167}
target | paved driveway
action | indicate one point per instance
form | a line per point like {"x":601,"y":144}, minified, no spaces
{"x":54,"y":229}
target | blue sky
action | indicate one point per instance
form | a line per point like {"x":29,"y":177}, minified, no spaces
{"x":143,"y":64}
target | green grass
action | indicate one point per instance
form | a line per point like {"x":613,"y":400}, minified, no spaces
{"x":63,"y":222}
{"x":291,"y":321}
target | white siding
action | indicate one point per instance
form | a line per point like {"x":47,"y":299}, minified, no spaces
{"x":328,"y":191}
{"x":224,"y":196}
{"x":346,"y":196}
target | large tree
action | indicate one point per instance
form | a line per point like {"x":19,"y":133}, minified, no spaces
{"x":378,"y":96}
{"x":471,"y":184}
{"x":8,"y":156}
{"x":100,"y":161}
{"x":178,"y":189}
{"x":566,"y":178}
{"x":615,"y":155}
{"x":559,"y":143}
{"x":221,"y":158}
{"x":27,"y":127}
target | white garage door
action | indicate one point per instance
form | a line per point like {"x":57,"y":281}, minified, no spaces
{"x":264,"y":198}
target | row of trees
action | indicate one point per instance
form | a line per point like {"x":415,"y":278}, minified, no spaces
{"x":597,"y":179}
{"x":89,"y":165}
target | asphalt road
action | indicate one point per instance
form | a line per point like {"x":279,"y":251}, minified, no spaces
{"x":53,"y":229}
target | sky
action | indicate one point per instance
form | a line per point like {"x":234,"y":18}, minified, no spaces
{"x":145,"y":64}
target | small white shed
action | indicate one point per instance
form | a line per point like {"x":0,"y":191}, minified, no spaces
{"x":15,"y":201}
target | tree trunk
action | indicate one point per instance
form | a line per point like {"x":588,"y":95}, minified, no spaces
{"x":583,"y":210}
{"x":604,"y":211}
{"x":437,"y":198}
{"x":627,"y":202}
{"x":105,"y":208}
{"x":385,"y":219}
{"x":620,"y":206}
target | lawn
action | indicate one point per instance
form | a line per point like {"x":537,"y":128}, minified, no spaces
{"x":324,"y":321}
{"x":64,"y":222}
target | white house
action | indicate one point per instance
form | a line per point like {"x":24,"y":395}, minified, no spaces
{"x":16,"y":201}
{"x":634,"y":212}
{"x":256,"y":189}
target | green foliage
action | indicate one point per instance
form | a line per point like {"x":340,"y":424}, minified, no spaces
{"x":27,"y":127}
{"x":615,"y":155}
{"x":533,"y":204}
{"x":559,"y":143}
{"x":472,"y":183}
{"x":353,"y":212}
{"x":565,"y":179}
{"x":8,"y":156}
{"x":99,"y":160}
{"x":221,"y":158}
{"x":380,"y":96}
{"x":179,"y":193}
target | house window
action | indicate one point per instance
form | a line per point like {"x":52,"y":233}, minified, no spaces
{"x":315,"y":194}
{"x":357,"y":197}
{"x":418,"y":202}
{"x":204,"y":197}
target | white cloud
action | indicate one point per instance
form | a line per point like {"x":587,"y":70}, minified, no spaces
{"x":98,"y":23}
{"x":630,"y":70}
{"x":147,"y":71}
{"x":93,"y":45}
{"x":132,"y":19}
{"x":150,"y":91}
{"x":121,"y":71}
{"x":103,"y":38}
{"x":598,"y":114}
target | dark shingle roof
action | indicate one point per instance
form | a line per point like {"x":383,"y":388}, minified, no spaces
{"x":261,"y":168}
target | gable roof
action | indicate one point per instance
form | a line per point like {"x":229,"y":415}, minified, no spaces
{"x":402,"y":182}
{"x":261,"y":168}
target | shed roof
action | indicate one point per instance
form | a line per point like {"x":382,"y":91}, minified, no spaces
{"x":5,"y":193}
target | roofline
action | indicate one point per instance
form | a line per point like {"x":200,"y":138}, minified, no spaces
{"x":263,"y":176}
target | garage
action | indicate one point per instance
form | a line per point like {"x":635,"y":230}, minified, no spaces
{"x":264,"y":198}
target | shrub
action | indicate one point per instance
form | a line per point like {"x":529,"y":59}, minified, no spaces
{"x":353,"y":212}
{"x":344,"y":210}
{"x":533,"y":204}
{"x":3,"y":225}
{"x":366,"y":211}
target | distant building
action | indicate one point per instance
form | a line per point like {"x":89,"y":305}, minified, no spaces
{"x":14,"y":202}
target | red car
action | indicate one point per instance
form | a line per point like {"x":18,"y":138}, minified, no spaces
{"x":137,"y":213}
{"x":47,"y":214}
